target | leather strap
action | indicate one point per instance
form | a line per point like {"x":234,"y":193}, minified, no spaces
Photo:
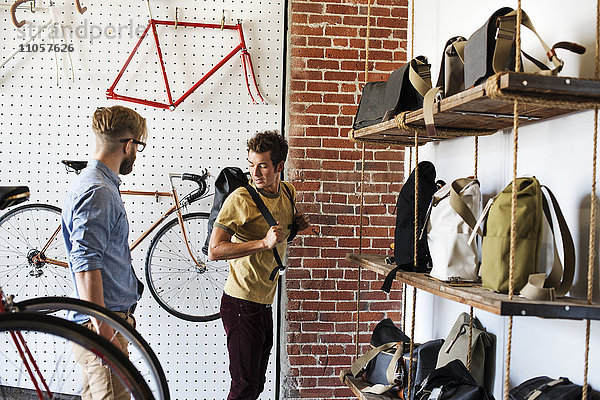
{"x":428,"y":106}
{"x":361,"y":363}
{"x":559,"y":281}
{"x":419,"y":75}
{"x":506,"y":37}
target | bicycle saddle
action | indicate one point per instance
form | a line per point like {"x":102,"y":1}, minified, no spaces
{"x":74,"y":166}
{"x":11,"y":195}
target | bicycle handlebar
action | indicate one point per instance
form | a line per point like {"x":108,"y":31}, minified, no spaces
{"x":13,"y":13}
{"x":200,"y":181}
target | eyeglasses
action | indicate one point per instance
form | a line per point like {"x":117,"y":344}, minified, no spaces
{"x":141,"y":145}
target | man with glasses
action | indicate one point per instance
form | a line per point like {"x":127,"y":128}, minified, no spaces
{"x":96,"y":234}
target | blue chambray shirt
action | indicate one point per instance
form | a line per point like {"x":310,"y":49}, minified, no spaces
{"x":96,"y":235}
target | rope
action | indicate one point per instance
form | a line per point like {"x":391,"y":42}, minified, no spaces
{"x":362,"y":187}
{"x":412,"y":30}
{"x":592,"y":244}
{"x":591,"y":253}
{"x":469,"y":353}
{"x":360,"y":237}
{"x":414,"y":303}
{"x":476,"y":156}
{"x":513,"y":206}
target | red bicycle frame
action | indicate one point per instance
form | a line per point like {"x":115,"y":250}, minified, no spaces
{"x":241,"y":47}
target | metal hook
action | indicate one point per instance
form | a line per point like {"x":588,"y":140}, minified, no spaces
{"x":176,"y":13}
{"x":223,"y":19}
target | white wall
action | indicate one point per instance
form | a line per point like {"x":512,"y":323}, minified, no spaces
{"x":43,"y":122}
{"x":558,"y":152}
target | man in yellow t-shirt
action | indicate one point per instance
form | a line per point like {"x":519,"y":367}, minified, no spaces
{"x":242,"y":235}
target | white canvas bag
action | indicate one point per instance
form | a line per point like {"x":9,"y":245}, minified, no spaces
{"x":453,"y":216}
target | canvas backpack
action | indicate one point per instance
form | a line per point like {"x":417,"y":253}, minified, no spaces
{"x":231,"y":178}
{"x":404,"y":232}
{"x":532,"y":209}
{"x":453,"y":215}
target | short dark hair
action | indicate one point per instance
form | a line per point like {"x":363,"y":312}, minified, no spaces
{"x":270,"y":141}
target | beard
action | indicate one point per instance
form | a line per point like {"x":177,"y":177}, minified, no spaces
{"x":127,"y":164}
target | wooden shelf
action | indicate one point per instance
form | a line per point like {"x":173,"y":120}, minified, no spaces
{"x":356,"y":384}
{"x":472,"y":112}
{"x":478,"y":297}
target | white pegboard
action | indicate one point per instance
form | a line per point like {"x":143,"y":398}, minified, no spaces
{"x":43,"y":122}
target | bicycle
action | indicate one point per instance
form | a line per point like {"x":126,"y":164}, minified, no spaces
{"x":36,"y":355}
{"x":23,"y":328}
{"x":179,"y":276}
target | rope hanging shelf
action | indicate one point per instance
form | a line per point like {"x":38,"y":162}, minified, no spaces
{"x":476,"y":296}
{"x":487,"y":108}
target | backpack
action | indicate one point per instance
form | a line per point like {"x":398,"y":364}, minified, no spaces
{"x":452,"y":217}
{"x":231,"y":178}
{"x":532,"y":209}
{"x":405,"y":216}
{"x":452,"y":381}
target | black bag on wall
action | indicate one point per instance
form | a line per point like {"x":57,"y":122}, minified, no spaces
{"x":405,"y":217}
{"x":403,"y":91}
{"x":545,"y":388}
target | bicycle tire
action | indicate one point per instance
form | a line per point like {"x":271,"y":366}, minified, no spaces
{"x":179,"y":286}
{"x":63,"y":334}
{"x":141,"y":354}
{"x":24,"y":232}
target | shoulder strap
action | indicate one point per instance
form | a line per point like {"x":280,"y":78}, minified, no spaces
{"x":271,"y":221}
{"x":559,"y":281}
{"x":506,"y":37}
{"x":459,"y":205}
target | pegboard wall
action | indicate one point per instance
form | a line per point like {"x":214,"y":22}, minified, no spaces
{"x":48,"y":100}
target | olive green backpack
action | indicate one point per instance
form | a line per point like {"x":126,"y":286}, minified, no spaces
{"x":532,"y":208}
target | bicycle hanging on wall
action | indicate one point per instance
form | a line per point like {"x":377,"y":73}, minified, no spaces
{"x":240,"y":48}
{"x":180,"y":278}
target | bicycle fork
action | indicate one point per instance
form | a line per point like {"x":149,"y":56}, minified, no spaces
{"x":27,"y":358}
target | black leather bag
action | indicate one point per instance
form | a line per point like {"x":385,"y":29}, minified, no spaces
{"x":403,"y":91}
{"x":451,"y":382}
{"x":545,"y":388}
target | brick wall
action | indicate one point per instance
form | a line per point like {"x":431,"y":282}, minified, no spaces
{"x":327,"y":72}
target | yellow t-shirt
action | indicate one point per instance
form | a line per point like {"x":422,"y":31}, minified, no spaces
{"x":240,"y":217}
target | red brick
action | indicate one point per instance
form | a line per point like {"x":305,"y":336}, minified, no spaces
{"x":318,"y":41}
{"x":322,"y":131}
{"x":317,"y":327}
{"x":341,"y":9}
{"x":328,"y":19}
{"x":309,"y":7}
{"x":318,"y":305}
{"x":321,"y":64}
{"x":310,"y":75}
{"x":342,"y":54}
{"x":323,"y":109}
{"x":340,"y":76}
{"x":339,"y":98}
{"x":309,"y":52}
{"x":304,"y":97}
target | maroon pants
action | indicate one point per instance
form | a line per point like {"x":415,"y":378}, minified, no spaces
{"x":249,"y":329}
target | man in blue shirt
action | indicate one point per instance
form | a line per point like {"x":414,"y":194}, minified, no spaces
{"x":96,"y":234}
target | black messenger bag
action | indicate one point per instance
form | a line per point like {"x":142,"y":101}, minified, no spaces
{"x":491,"y":48}
{"x":403,"y":91}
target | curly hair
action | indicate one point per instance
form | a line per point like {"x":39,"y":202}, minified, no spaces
{"x":113,"y":123}
{"x":270,"y":141}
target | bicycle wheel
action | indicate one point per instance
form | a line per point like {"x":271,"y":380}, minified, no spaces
{"x":188,"y":291}
{"x":141,"y":354}
{"x":50,"y":341}
{"x":24,"y":232}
